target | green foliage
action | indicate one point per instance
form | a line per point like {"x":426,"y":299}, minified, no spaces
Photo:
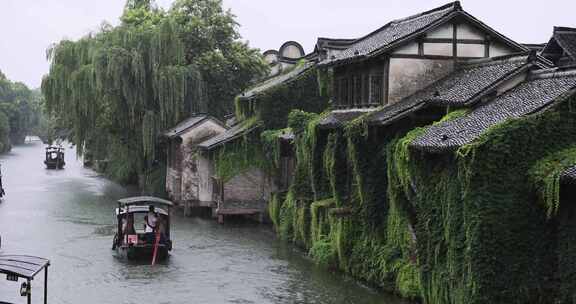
{"x":242,"y":154}
{"x":274,"y":105}
{"x":323,"y":252}
{"x":270,"y":140}
{"x":481,"y":215}
{"x":546,"y":175}
{"x":20,"y":112}
{"x":125,"y":85}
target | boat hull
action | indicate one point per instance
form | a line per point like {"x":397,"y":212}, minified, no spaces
{"x":54,"y":165}
{"x":142,"y":252}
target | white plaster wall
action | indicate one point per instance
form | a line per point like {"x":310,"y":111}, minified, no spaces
{"x":409,"y":75}
{"x":441,"y":49}
{"x":466,"y":31}
{"x":497,"y":49}
{"x":470,"y":50}
{"x":291,"y":51}
{"x":409,"y":49}
{"x":443,"y":32}
{"x":285,"y":65}
{"x":275,"y":69}
{"x":196,"y":185}
{"x":271,"y":58}
{"x":206,"y":171}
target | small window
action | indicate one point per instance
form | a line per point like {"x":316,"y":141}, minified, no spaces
{"x":358,"y":90}
{"x":376,"y":81}
{"x":344,"y":91}
{"x":365,"y":89}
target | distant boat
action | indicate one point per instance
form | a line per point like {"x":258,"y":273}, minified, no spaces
{"x":54,"y":157}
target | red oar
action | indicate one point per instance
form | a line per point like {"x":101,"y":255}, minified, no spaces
{"x":156,"y":244}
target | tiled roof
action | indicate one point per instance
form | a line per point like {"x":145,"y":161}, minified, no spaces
{"x":185,"y":125}
{"x":229,"y":135}
{"x":334,"y":43}
{"x":337,"y":119}
{"x":563,"y":40}
{"x":569,"y":176}
{"x":393,"y":32}
{"x":567,"y":40}
{"x":535,"y":94}
{"x":465,"y":85}
{"x":277,"y":80}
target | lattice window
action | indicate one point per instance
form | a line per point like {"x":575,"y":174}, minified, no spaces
{"x":376,"y":88}
{"x":365,"y":89}
{"x":358,"y":90}
{"x":344,"y":91}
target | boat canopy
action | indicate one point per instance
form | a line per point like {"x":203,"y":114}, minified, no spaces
{"x":144,"y":200}
{"x":138,"y":209}
{"x":23,"y":266}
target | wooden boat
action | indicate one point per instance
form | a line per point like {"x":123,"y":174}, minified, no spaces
{"x":54,"y":157}
{"x":132,"y":241}
{"x":25,"y":267}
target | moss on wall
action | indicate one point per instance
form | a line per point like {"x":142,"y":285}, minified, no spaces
{"x":307,"y":92}
{"x":478,"y":225}
{"x":484,"y":216}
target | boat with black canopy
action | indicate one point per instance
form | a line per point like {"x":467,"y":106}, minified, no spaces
{"x":17,"y":267}
{"x":54,"y":157}
{"x":143,"y":230}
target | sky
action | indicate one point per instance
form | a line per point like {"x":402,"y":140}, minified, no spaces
{"x":29,"y":27}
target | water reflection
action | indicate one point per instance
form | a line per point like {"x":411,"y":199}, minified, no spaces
{"x":67,"y":216}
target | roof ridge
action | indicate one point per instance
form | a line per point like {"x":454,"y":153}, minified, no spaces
{"x":560,"y":29}
{"x":455,"y":4}
{"x":557,"y":72}
{"x":494,"y":60}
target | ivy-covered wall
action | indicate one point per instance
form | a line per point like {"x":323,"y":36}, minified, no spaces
{"x":337,"y":207}
{"x":486,"y":224}
{"x":269,"y":111}
{"x":273,"y":105}
{"x":489,"y":223}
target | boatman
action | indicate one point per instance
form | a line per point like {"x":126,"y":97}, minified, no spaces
{"x":151,"y":220}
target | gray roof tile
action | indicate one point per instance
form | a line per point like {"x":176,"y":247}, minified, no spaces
{"x":185,"y":125}
{"x":569,"y":176}
{"x":229,"y":135}
{"x":470,"y":80}
{"x":567,"y":40}
{"x":277,"y":80}
{"x":337,"y":119}
{"x":535,"y":94}
{"x":393,"y":32}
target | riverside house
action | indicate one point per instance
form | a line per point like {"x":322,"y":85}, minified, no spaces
{"x":189,"y":174}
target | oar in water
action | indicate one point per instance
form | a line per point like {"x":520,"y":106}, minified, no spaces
{"x":156,"y":244}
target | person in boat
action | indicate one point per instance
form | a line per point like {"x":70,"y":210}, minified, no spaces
{"x":150,"y":224}
{"x":151,"y":220}
{"x":128,"y":224}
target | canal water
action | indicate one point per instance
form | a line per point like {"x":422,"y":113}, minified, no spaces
{"x":67,"y":216}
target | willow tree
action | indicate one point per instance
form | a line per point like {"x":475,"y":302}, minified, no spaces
{"x":118,"y":88}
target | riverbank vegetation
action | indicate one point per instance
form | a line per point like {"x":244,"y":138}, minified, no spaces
{"x":437,"y":227}
{"x":20,"y":112}
{"x":116,"y":89}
